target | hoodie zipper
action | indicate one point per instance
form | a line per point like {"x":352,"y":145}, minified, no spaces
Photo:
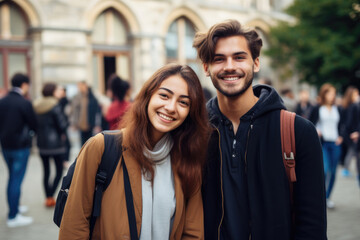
{"x":221,"y":184}
{"x":247,"y":144}
{"x":221,"y":179}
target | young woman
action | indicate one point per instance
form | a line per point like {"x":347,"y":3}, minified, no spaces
{"x":120,"y":92}
{"x":51,"y":138}
{"x":352,"y":122}
{"x":165,"y":132}
{"x":328,"y":119}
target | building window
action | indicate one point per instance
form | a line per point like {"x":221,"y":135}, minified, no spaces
{"x":109,"y":28}
{"x":14,"y":46}
{"x":111,"y":50}
{"x":178,"y":42}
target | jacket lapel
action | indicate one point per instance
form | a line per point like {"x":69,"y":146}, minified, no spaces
{"x":179,"y":195}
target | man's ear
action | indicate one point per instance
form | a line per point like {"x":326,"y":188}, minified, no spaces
{"x":206,"y":69}
{"x":257,"y":65}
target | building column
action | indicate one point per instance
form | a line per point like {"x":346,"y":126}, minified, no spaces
{"x":148,"y":56}
{"x":36,"y":64}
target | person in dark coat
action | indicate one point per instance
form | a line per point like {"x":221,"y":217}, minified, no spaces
{"x":85,"y":112}
{"x":17,"y":126}
{"x":246,"y":192}
{"x":51,"y":138}
{"x":60,"y":94}
{"x":351,"y":110}
{"x":304,"y":106}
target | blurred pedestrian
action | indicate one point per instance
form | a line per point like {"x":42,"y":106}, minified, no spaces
{"x":328,"y":119}
{"x":163,"y":150}
{"x":304,"y":106}
{"x":51,"y":138}
{"x":352,"y":121}
{"x":60,"y":94}
{"x":119,"y":94}
{"x":288,"y":98}
{"x":265,"y":81}
{"x":85,"y":112}
{"x":17,"y":126}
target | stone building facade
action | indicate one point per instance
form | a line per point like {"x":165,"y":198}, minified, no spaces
{"x":66,"y":41}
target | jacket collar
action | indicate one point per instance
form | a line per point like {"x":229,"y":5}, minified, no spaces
{"x":17,"y":90}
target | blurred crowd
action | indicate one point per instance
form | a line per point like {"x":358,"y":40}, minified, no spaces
{"x":337,"y":120}
{"x":48,"y":119}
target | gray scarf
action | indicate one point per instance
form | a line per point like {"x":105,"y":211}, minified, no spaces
{"x":158,"y":201}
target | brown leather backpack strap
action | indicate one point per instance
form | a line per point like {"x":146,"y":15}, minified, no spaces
{"x":287,"y":122}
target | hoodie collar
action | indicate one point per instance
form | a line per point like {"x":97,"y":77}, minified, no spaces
{"x":269,"y":100}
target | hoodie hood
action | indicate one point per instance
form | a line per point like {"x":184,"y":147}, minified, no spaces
{"x":269,"y":100}
{"x":44,"y":104}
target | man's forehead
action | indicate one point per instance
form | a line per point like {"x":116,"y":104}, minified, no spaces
{"x":233,"y":44}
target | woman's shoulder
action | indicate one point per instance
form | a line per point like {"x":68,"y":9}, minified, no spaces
{"x":93,"y":146}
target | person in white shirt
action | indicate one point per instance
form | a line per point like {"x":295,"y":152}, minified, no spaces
{"x":327,"y":117}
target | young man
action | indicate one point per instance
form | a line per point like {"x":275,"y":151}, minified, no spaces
{"x":17,"y":126}
{"x":85,"y":112}
{"x":245,"y":188}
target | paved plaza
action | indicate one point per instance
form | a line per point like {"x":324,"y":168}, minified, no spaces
{"x":343,"y":222}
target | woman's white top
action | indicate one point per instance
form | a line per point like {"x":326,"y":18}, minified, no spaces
{"x":328,"y":123}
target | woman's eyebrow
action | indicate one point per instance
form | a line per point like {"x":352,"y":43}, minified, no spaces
{"x":171,"y":92}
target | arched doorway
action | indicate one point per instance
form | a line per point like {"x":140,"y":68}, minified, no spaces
{"x":111,"y":47}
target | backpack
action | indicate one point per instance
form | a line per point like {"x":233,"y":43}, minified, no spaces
{"x":287,"y":132}
{"x":108,"y":164}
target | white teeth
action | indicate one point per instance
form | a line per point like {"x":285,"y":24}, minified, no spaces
{"x":165,"y":117}
{"x":231,"y":78}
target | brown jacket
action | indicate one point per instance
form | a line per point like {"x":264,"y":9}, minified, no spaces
{"x":113,"y":220}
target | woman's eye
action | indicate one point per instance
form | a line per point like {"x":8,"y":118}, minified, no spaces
{"x":184,"y":103}
{"x":162,"y":95}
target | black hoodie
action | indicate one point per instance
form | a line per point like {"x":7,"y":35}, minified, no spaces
{"x":245,"y":187}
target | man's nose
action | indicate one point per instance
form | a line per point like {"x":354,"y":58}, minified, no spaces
{"x":229,"y":65}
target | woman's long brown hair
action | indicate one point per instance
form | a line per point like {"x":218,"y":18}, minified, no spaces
{"x":348,"y":96}
{"x":190,"y":138}
{"x":324,"y":89}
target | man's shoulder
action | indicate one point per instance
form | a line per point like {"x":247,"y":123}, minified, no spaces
{"x":301,"y":122}
{"x":305,"y":131}
{"x":12,"y":98}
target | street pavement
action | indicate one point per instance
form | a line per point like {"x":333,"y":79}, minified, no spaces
{"x":343,"y":221}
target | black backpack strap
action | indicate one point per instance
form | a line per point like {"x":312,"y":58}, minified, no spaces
{"x":129,"y":203}
{"x":108,"y":164}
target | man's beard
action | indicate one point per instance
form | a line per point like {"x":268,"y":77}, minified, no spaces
{"x":248,"y":83}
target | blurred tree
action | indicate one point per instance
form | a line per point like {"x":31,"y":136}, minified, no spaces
{"x":322,"y":44}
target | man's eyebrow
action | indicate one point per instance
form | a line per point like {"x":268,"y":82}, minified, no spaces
{"x":236,"y":53}
{"x":240,"y":53}
{"x":171,"y":92}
